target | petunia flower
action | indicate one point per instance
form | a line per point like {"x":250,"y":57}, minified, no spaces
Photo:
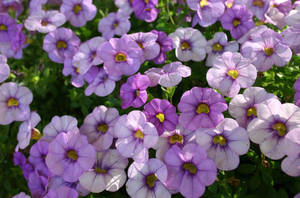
{"x":99,"y":125}
{"x":145,"y":10}
{"x":135,"y":136}
{"x":14,"y":103}
{"x":243,"y":107}
{"x":292,"y":19}
{"x":4,"y":68}
{"x":121,"y":56}
{"x":133,"y":92}
{"x":56,"y":182}
{"x":297,"y":89}
{"x":252,"y":34}
{"x":291,"y":36}
{"x":165,"y":43}
{"x":224,"y":143}
{"x":77,"y":79}
{"x":147,"y":179}
{"x":70,"y":155}
{"x":277,"y":12}
{"x":60,"y":44}
{"x":37,"y":184}
{"x":230,"y":72}
{"x":162,"y":114}
{"x":78,"y":12}
{"x":108,"y":173}
{"x":62,"y":192}
{"x":274,"y":121}
{"x":208,"y":11}
{"x":258,"y":7}
{"x":20,"y":160}
{"x":189,"y":44}
{"x":201,"y":108}
{"x":189,"y":172}
{"x":125,"y":7}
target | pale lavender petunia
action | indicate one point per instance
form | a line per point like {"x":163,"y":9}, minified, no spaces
{"x":78,"y":12}
{"x":133,"y":92}
{"x":147,"y":180}
{"x":145,"y":9}
{"x":243,"y":107}
{"x":224,"y":143}
{"x":135,"y":136}
{"x":189,"y":44}
{"x":253,"y":33}
{"x":217,"y":46}
{"x":292,"y":19}
{"x":44,"y":21}
{"x":125,"y":7}
{"x":201,"y":107}
{"x":297,"y":89}
{"x":21,"y":195}
{"x":258,"y":7}
{"x":70,"y":155}
{"x":56,"y":182}
{"x":77,"y":79}
{"x":277,"y":12}
{"x":230,"y":73}
{"x":26,"y":129}
{"x":58,"y":125}
{"x":62,"y":192}
{"x":114,"y":24}
{"x":14,"y":103}
{"x":4,"y":68}
{"x":291,"y":36}
{"x":208,"y":11}
{"x":60,"y":44}
{"x":108,"y":173}
{"x":274,"y":121}
{"x":267,"y":50}
{"x":189,"y":172}
{"x":99,"y":127}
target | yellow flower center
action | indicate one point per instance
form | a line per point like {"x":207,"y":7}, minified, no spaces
{"x":202,"y":108}
{"x":190,"y":167}
{"x":146,"y":1}
{"x":61,"y":44}
{"x":233,"y":73}
{"x":35,"y":134}
{"x":44,"y":22}
{"x":161,"y":117}
{"x":139,"y":134}
{"x":99,"y":170}
{"x":252,"y":112}
{"x":150,"y":180}
{"x":217,"y":47}
{"x":77,"y":8}
{"x":102,"y":128}
{"x":116,"y":24}
{"x":3,"y":27}
{"x":71,"y":154}
{"x":185,"y":45}
{"x":141,"y":45}
{"x":258,"y":3}
{"x":229,"y":5}
{"x":280,"y":128}
{"x":269,"y":51}
{"x":137,"y":93}
{"x":203,"y":3}
{"x":12,"y":102}
{"x":219,"y":139}
{"x":236,"y":22}
{"x":120,"y":57}
{"x":176,"y":138}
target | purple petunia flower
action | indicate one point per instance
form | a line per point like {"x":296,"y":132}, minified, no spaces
{"x":56,"y":182}
{"x":201,"y":107}
{"x":189,"y":171}
{"x":4,"y":68}
{"x":107,"y":173}
{"x":21,"y":195}
{"x":238,"y":20}
{"x":60,"y":44}
{"x":277,"y":12}
{"x":297,"y":89}
{"x":165,"y":43}
{"x":168,"y":76}
{"x":133,"y":92}
{"x":78,"y":12}
{"x":77,"y":79}
{"x":230,"y":72}
{"x":14,"y":103}
{"x":145,"y":10}
{"x":125,"y":7}
{"x":37,"y":184}
{"x":208,"y":11}
{"x":189,"y":44}
{"x":258,"y":7}
{"x":253,"y":33}
{"x":135,"y":136}
{"x":14,"y":7}
{"x":147,"y":180}
{"x":101,"y":84}
{"x":20,"y":160}
{"x":38,"y":153}
{"x":274,"y":121}
{"x":58,"y":125}
{"x":267,"y":50}
{"x":224,"y":143}
{"x":292,"y":19}
{"x":292,"y":37}
{"x":162,"y":114}
{"x":147,"y":42}
{"x":62,"y":192}
{"x":121,"y":56}
{"x":26,"y":129}
{"x":99,"y":125}
{"x":243,"y":107}
{"x":218,"y":45}
{"x":114,"y":24}
{"x":7,"y":27}
{"x":44,"y":22}
{"x":70,"y":155}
